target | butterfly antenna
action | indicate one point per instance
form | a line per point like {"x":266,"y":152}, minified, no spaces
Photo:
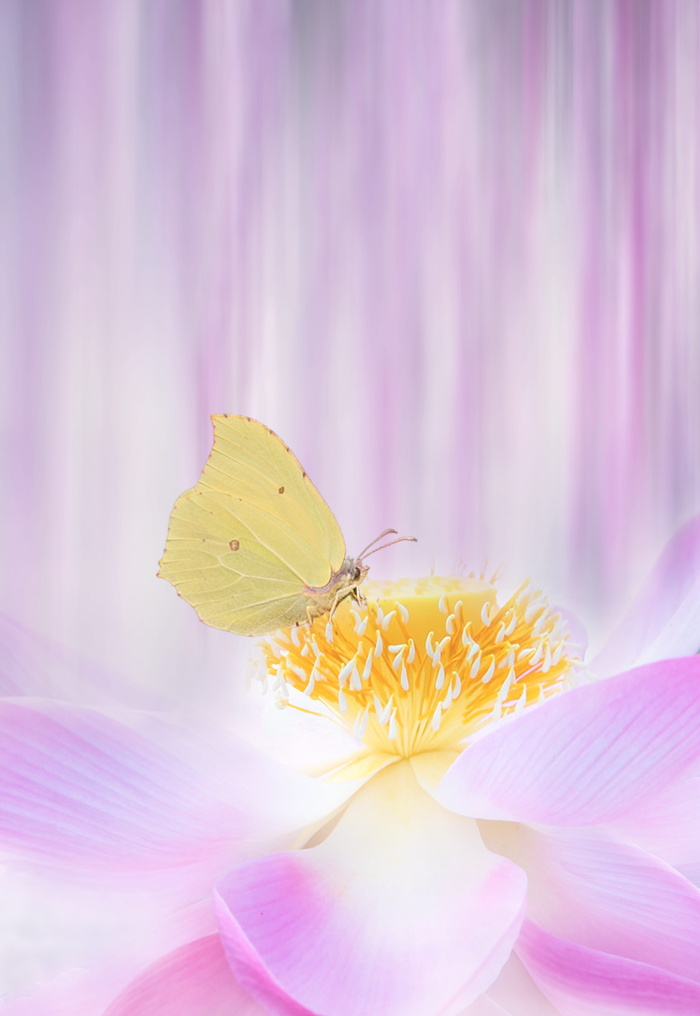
{"x":401,"y":539}
{"x":381,"y":536}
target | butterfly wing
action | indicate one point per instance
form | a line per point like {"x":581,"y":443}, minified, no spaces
{"x":246,"y":543}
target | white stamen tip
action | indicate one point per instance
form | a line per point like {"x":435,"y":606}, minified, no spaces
{"x":540,"y":624}
{"x":558,"y":653}
{"x":399,"y":651}
{"x":359,"y":728}
{"x":383,"y":712}
{"x":486,"y":677}
{"x":404,"y":678}
{"x":387,"y":620}
{"x":475,"y":667}
{"x":506,"y":686}
{"x":329,"y":632}
{"x":361,"y":626}
{"x":342,"y":701}
{"x":440,"y":679}
{"x":533,"y":608}
{"x":442,"y":604}
{"x":379,"y":645}
{"x":345,"y":672}
{"x":392,"y":726}
{"x":485,"y":617}
{"x":403,"y":612}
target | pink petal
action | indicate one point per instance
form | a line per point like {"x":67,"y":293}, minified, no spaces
{"x":669,"y":827}
{"x":612,"y":897}
{"x":517,"y":993}
{"x":194,"y":980}
{"x":66,"y":995}
{"x":664,"y":620}
{"x":485,"y":1006}
{"x":400,"y":911}
{"x":80,"y":789}
{"x":587,"y":756}
{"x":585,"y":982}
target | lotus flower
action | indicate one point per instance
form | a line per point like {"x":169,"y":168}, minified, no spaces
{"x":499,"y":832}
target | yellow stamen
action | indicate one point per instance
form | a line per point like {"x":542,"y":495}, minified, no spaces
{"x":420,"y":665}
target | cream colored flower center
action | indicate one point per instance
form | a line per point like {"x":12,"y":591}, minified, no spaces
{"x":420,"y":665}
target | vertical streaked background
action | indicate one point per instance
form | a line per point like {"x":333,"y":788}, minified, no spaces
{"x":449,"y":252}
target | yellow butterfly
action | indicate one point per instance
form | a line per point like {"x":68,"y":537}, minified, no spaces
{"x":254,"y":547}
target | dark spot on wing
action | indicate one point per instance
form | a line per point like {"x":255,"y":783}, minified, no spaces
{"x":280,"y":490}
{"x":234,"y":544}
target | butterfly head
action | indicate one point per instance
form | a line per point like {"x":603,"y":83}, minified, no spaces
{"x":361,"y":570}
{"x":351,"y":573}
{"x":354,"y":570}
{"x":357,"y":572}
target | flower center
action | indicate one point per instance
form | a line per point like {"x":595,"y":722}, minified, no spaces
{"x":420,"y":665}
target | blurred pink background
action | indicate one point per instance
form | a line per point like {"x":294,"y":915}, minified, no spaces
{"x":449,"y":252}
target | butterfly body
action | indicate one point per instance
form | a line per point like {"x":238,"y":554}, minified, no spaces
{"x":253,"y":547}
{"x":342,"y":583}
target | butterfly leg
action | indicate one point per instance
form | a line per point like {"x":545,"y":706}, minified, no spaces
{"x":341,"y":595}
